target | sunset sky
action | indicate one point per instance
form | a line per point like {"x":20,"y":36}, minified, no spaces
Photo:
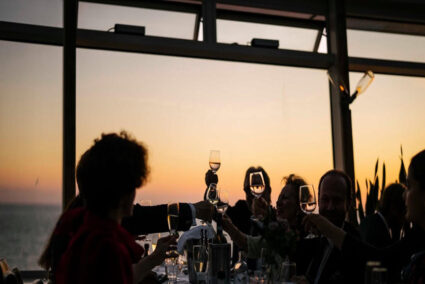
{"x":276,"y":117}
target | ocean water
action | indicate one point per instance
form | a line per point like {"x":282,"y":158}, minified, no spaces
{"x":24,"y":230}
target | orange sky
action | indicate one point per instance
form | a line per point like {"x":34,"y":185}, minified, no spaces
{"x":277,"y":117}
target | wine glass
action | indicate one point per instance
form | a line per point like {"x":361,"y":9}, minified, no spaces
{"x":173,"y":217}
{"x":256,"y":184}
{"x":214,"y":160}
{"x":212,"y":195}
{"x":223,"y":201}
{"x":307,"y":202}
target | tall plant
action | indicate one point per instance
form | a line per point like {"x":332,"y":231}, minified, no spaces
{"x":375,"y":190}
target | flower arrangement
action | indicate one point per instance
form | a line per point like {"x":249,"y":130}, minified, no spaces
{"x":278,"y":236}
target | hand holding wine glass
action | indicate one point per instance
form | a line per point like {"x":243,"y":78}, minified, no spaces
{"x":307,"y":202}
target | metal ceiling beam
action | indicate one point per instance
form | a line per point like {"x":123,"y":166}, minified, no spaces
{"x":188,"y":48}
{"x":370,"y":16}
{"x":385,"y":26}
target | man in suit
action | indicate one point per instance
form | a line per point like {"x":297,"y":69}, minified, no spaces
{"x":327,"y":264}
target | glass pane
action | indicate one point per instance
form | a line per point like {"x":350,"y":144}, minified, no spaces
{"x":30,"y":149}
{"x":242,"y":33}
{"x":156,"y":22}
{"x":386,"y":46}
{"x":39,"y":12}
{"x":183,"y":108}
{"x":389,"y":114}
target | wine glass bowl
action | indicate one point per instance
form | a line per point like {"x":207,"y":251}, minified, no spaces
{"x":256,"y":184}
{"x":307,"y":198}
{"x":214,"y":161}
{"x":212,"y":195}
{"x":223,"y":201}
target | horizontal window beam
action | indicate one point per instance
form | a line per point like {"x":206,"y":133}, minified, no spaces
{"x":188,"y":48}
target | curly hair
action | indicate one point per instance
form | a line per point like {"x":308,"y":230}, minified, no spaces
{"x":114,"y":166}
{"x":296,"y":181}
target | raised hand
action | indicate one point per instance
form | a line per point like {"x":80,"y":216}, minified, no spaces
{"x":162,"y":246}
{"x":204,"y":210}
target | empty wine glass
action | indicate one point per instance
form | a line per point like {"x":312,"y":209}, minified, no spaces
{"x":173,"y":217}
{"x":223,"y":201}
{"x":214,"y":160}
{"x":307,"y":202}
{"x":256,"y":184}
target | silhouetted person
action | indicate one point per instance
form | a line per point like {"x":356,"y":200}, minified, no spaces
{"x":327,"y":264}
{"x":409,"y":252}
{"x":100,"y":250}
{"x":384,"y":227}
{"x":241,"y":213}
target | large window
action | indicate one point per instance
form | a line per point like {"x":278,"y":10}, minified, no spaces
{"x":277,"y":117}
{"x":389,"y":114}
{"x":30,"y":149}
{"x":386,"y":46}
{"x":156,"y":22}
{"x":36,"y":12}
{"x":242,"y":33}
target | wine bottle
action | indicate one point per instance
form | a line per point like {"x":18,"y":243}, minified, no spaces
{"x":219,"y":237}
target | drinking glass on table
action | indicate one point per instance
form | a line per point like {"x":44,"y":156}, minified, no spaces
{"x":214,"y":160}
{"x":308,"y":202}
{"x":200,"y":260}
{"x":173,"y":210}
{"x":287,"y":271}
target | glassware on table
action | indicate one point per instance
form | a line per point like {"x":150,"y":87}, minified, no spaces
{"x":379,"y":275}
{"x":223,"y":201}
{"x":307,"y":202}
{"x":200,"y":261}
{"x":240,"y":269}
{"x":214,"y":161}
{"x":264,"y":265}
{"x":171,"y":270}
{"x":256,"y":184}
{"x":287,"y":271}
